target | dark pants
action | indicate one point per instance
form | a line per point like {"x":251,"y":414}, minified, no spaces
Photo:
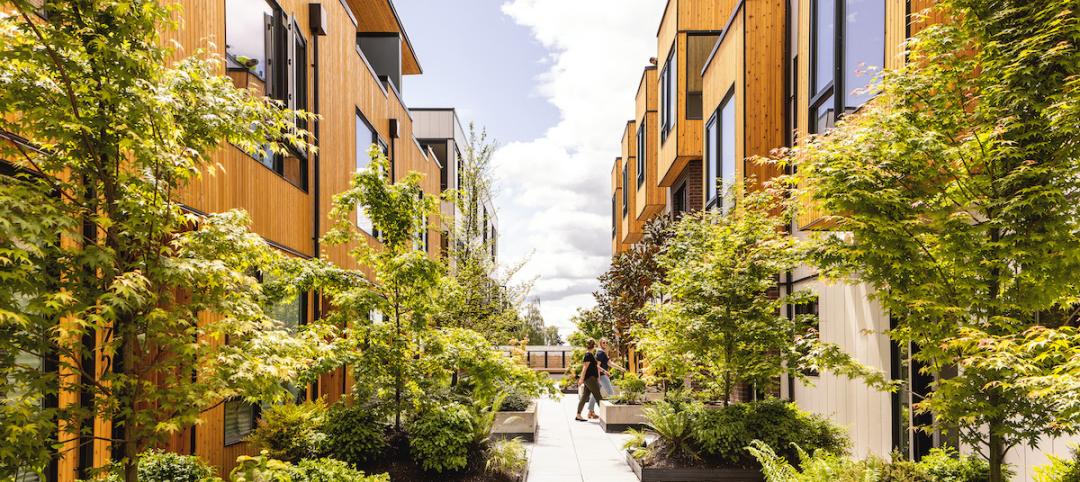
{"x":592,"y":386}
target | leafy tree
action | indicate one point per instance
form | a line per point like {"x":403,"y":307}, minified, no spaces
{"x":477,"y":293}
{"x":960,"y":187}
{"x":552,"y":336}
{"x":97,"y":258}
{"x":717,"y":321}
{"x":590,"y":324}
{"x":388,"y":313}
{"x":628,"y":283}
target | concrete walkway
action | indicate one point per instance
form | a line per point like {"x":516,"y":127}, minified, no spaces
{"x":570,"y":451}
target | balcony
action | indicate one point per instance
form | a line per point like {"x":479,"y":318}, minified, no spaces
{"x":651,"y":198}
{"x":688,"y":31}
{"x":631,"y":225}
{"x":744,"y":97}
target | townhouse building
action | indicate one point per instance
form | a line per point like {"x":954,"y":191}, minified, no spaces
{"x":346,"y":61}
{"x":439,"y":129}
{"x":759,"y":75}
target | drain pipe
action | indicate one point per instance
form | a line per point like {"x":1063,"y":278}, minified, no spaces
{"x":317,"y":25}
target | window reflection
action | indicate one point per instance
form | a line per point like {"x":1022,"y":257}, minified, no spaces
{"x":247,"y":25}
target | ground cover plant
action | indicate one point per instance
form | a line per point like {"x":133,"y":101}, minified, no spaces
{"x":940,"y":465}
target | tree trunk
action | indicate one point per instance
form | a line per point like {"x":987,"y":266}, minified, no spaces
{"x":997,"y":455}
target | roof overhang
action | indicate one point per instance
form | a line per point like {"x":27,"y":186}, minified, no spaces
{"x":380,"y":16}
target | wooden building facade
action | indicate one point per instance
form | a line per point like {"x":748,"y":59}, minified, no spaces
{"x":343,"y":60}
{"x":775,"y":72}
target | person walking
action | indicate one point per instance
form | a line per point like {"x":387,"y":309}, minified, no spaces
{"x":588,"y":379}
{"x":605,"y":376}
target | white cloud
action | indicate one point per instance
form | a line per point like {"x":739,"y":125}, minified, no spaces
{"x":555,"y":196}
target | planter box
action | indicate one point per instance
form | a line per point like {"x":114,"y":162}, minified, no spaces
{"x":653,"y":396}
{"x":618,"y":418}
{"x":650,"y":474}
{"x":516,"y":424}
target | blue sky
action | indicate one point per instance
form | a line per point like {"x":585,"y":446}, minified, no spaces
{"x":553,"y":81}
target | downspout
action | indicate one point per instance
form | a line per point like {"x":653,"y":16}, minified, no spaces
{"x":317,"y":25}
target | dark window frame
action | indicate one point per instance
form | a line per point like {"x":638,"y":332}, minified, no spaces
{"x":669,"y":93}
{"x":641,"y":153}
{"x":831,"y":95}
{"x":625,"y":189}
{"x":256,"y":412}
{"x":278,"y":80}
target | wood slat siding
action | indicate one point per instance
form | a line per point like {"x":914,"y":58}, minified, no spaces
{"x":631,"y":225}
{"x":684,"y":141}
{"x":280,"y":211}
{"x":651,"y":202}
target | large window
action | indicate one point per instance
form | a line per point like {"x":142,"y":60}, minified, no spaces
{"x":265,"y":51}
{"x":365,"y":137}
{"x":668,"y":94}
{"x":847,"y":45}
{"x":641,"y":153}
{"x":720,"y":154}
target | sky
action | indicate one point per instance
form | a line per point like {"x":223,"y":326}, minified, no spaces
{"x":553,"y":81}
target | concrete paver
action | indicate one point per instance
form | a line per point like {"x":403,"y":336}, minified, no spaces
{"x":569,"y":451}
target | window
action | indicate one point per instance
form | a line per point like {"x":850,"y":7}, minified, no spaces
{"x":720,"y":154}
{"x":847,"y":42}
{"x":727,"y":148}
{"x":641,"y":153}
{"x":668,"y":94}
{"x":625,"y":190}
{"x":250,"y":27}
{"x":240,"y":418}
{"x":793,"y":74}
{"x":365,"y":137}
{"x":262,"y":43}
{"x":494,"y":243}
{"x":864,"y":48}
{"x":807,"y":312}
{"x":678,"y":201}
{"x":614,"y":216}
{"x":711,"y":160}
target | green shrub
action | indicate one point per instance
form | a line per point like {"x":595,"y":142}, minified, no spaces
{"x":506,"y":457}
{"x":291,"y":432}
{"x":440,"y":438}
{"x":158,"y":466}
{"x":947,"y":465}
{"x":262,"y":468}
{"x":723,"y":434}
{"x":1060,"y":469}
{"x":331,"y":470}
{"x":673,"y":423}
{"x":515,"y":401}
{"x":354,"y":433}
{"x":631,"y":389}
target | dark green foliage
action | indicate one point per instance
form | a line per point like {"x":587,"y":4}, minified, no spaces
{"x":291,"y":432}
{"x":354,"y":433}
{"x":440,"y":438}
{"x":723,"y":434}
{"x":673,"y":423}
{"x":515,"y":401}
{"x":941,"y":465}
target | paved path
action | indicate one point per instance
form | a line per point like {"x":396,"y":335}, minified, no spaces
{"x":570,"y":451}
